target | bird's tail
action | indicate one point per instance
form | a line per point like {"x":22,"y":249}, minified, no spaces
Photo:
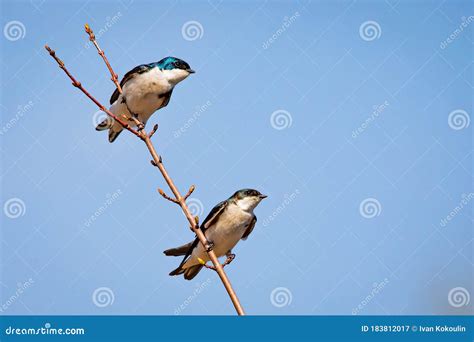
{"x":178,"y":251}
{"x":189,"y":273}
{"x":110,"y":124}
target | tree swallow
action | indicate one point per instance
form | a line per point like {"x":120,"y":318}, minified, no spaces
{"x":227,"y":223}
{"x":145,"y":89}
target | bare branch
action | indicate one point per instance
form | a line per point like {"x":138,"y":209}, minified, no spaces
{"x":157,"y":162}
{"x":78,"y":85}
{"x":190,"y":191}
{"x":114,"y":76}
{"x":165,"y":196}
{"x":153,"y":131}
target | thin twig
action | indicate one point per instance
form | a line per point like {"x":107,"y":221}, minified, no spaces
{"x":153,"y":131}
{"x":165,"y":196}
{"x":190,"y":191}
{"x":114,"y":76}
{"x":227,"y":261}
{"x":158,"y":162}
{"x":78,"y":85}
{"x":138,"y":123}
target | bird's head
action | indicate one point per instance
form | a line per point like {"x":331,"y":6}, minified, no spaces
{"x":175,"y":69}
{"x":247,"y":199}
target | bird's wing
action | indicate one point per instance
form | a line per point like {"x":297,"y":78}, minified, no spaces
{"x":208,"y":221}
{"x":128,"y":76}
{"x":249,"y":228}
{"x":166,"y":98}
{"x":213,"y":215}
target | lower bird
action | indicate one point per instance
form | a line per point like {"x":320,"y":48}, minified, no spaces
{"x":145,"y":89}
{"x":227,"y":223}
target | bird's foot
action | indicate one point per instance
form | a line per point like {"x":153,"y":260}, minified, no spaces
{"x":138,"y":123}
{"x":209,"y":246}
{"x":230,"y":258}
{"x":210,"y":267}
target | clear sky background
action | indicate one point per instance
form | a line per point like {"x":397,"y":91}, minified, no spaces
{"x":352,"y":116}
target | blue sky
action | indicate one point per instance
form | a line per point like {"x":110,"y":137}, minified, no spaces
{"x":354,"y":117}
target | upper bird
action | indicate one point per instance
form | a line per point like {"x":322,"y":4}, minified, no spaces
{"x":227,"y":223}
{"x":145,"y":89}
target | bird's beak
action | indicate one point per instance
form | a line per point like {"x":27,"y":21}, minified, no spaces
{"x":191,"y":71}
{"x":263,"y":196}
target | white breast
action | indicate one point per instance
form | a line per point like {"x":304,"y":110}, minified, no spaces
{"x":143,"y":92}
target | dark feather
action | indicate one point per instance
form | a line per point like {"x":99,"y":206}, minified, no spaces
{"x":249,"y":228}
{"x":213,"y":215}
{"x":181,"y":250}
{"x":166,"y":100}
{"x":192,"y":271}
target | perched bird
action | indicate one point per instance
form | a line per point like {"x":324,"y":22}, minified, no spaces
{"x":227,"y":223}
{"x":145,"y":89}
